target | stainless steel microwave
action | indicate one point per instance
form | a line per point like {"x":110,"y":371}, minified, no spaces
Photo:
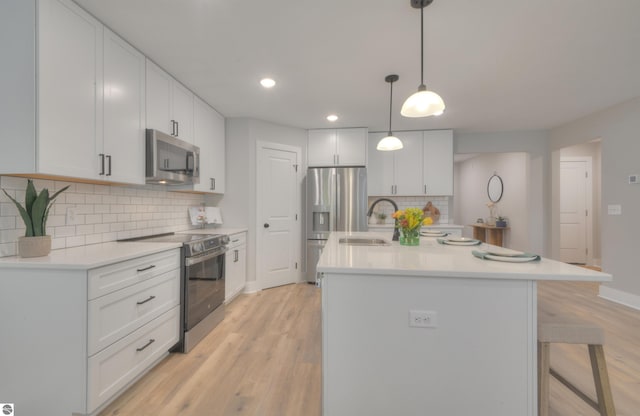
{"x":170,"y":160}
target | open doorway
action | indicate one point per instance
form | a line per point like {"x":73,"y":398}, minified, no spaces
{"x":578,"y":208}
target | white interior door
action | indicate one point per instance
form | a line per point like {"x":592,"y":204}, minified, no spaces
{"x":575,"y":202}
{"x":279,"y":203}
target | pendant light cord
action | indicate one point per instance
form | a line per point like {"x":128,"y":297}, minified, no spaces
{"x":422,"y":44}
{"x":390,"y":106}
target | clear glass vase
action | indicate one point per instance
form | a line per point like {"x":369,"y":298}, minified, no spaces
{"x":410,"y":237}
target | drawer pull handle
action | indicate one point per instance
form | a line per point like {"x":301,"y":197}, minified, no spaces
{"x":147,"y":268}
{"x":151,"y":341}
{"x":150,"y":298}
{"x":235,"y":241}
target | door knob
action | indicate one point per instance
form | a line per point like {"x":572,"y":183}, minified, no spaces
{"x":266,"y":225}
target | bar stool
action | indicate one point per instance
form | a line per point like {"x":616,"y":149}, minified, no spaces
{"x":556,"y":327}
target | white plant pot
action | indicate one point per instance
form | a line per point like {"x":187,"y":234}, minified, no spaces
{"x":34,"y":246}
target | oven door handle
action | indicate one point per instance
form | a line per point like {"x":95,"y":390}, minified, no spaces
{"x":190,"y":261}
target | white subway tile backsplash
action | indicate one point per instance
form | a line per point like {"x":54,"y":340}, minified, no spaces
{"x":403,"y":202}
{"x":66,"y":231}
{"x":103,"y":213}
{"x":8,"y":249}
{"x":7,"y":223}
{"x":75,"y":241}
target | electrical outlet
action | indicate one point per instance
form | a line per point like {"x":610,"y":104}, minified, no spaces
{"x":423,"y":319}
{"x":71,"y":215}
{"x":614,"y":209}
{"x":634,"y":179}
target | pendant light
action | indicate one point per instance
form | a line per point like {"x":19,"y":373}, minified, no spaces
{"x":423,"y":103}
{"x":390,"y":142}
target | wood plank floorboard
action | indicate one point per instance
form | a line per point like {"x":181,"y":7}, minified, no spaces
{"x":264,"y":359}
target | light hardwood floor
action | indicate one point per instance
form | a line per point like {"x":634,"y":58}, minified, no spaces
{"x":265,"y":359}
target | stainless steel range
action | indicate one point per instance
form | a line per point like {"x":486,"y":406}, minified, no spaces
{"x":202,"y":286}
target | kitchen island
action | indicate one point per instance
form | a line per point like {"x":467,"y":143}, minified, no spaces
{"x":431,"y":329}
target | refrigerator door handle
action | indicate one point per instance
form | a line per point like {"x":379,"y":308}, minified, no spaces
{"x":338,"y":203}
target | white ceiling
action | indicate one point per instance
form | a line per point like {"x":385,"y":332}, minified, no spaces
{"x":498,"y":64}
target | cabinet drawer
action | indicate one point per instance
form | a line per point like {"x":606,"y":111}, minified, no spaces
{"x":115,"y":315}
{"x":236,"y":240}
{"x":116,"y":276}
{"x":114,"y":367}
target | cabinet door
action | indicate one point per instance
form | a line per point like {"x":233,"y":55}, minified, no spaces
{"x":69,"y":90}
{"x":438,"y":162}
{"x":182,"y":111}
{"x":408,"y":164}
{"x":208,"y":134}
{"x":380,"y":169}
{"x":218,"y":167}
{"x":158,"y":99}
{"x":351,"y":147}
{"x":124,"y":102}
{"x":321,"y":147}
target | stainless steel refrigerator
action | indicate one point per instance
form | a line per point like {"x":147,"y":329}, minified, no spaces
{"x":336,"y":201}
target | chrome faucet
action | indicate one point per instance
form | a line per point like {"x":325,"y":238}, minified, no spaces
{"x":396,"y":232}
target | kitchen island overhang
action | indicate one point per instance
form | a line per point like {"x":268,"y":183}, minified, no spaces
{"x":477,"y":357}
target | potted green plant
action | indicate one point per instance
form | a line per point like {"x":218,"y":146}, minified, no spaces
{"x":34,"y":213}
{"x":501,"y":222}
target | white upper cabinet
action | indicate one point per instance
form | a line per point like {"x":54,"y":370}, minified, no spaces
{"x":169,"y":104}
{"x":209,"y":136}
{"x":337,"y":147}
{"x":89,"y":85}
{"x":397,"y":172}
{"x":69,"y":79}
{"x":438,"y":162}
{"x":424,"y":166}
{"x":380,"y":175}
{"x":124,"y":103}
{"x":408,"y":164}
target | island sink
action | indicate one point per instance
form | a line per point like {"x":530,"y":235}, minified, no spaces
{"x":364,"y":241}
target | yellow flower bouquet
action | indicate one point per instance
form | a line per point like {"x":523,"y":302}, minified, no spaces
{"x":409,"y":221}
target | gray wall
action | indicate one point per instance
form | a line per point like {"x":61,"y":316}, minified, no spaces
{"x":239,"y":201}
{"x":535,"y":144}
{"x":471,"y":177}
{"x":618,"y":127}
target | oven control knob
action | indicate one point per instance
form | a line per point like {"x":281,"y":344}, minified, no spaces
{"x":198,"y":247}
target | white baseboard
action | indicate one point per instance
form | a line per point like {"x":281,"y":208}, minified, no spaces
{"x":618,"y":296}
{"x":252,"y":287}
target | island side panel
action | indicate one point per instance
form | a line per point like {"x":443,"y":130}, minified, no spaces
{"x":480,"y":359}
{"x":43,"y":353}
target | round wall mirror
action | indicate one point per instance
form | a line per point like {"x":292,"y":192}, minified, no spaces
{"x":494,"y":188}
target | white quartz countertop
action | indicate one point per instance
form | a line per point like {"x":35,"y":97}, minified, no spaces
{"x":436,"y":226}
{"x":431,"y":259}
{"x":215,"y":230}
{"x":97,"y":255}
{"x":87,"y":257}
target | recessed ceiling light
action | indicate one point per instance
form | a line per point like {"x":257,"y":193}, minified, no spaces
{"x":332,"y":117}
{"x":267,"y":82}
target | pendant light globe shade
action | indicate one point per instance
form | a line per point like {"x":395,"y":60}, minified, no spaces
{"x":389,"y":143}
{"x":423,"y":104}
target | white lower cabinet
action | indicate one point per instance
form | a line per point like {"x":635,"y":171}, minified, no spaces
{"x":236,"y":266}
{"x":130,"y":328}
{"x":80,"y":336}
{"x":117,"y":365}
